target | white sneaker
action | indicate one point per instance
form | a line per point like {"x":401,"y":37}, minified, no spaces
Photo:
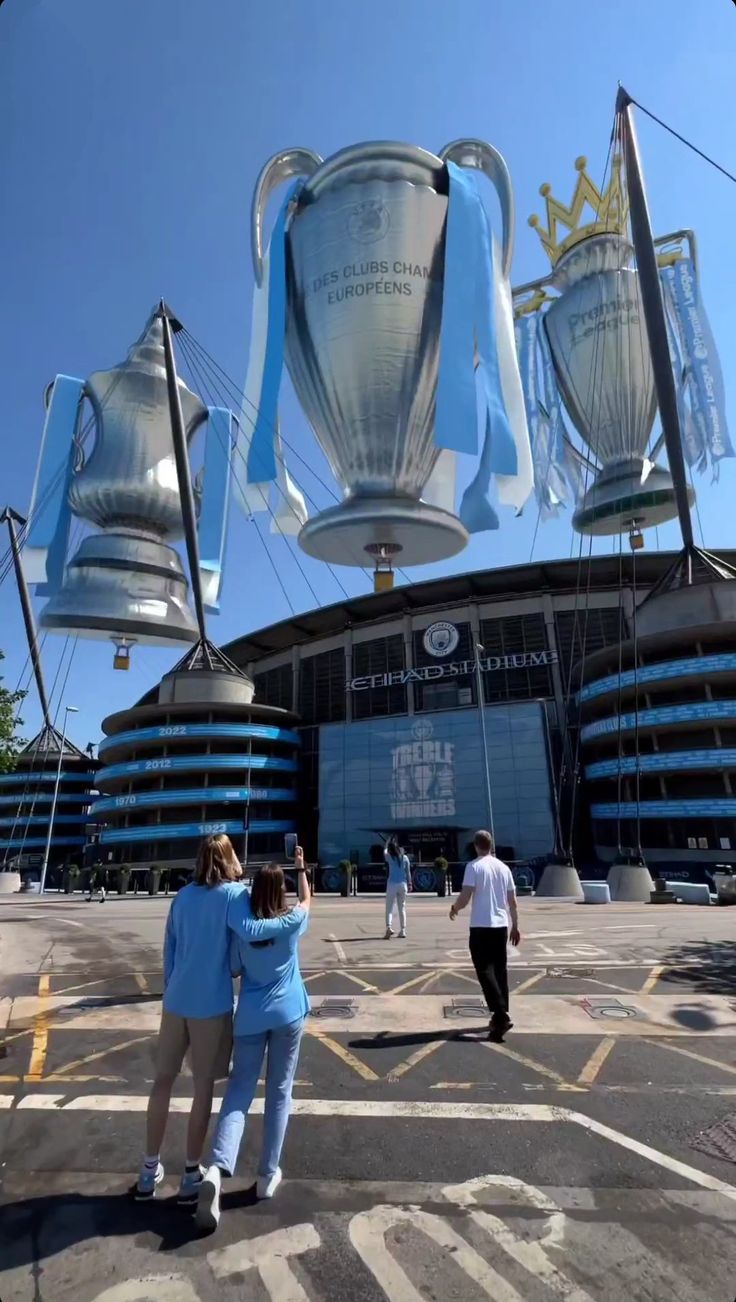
{"x":402,"y":934}
{"x":266,"y":1185}
{"x":207,"y":1214}
{"x":148,"y":1182}
{"x":389,"y":934}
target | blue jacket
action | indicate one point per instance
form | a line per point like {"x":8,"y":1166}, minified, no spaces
{"x":197,"y":977}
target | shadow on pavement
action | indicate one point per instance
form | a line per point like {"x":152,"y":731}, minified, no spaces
{"x":38,"y":1228}
{"x":706,"y":968}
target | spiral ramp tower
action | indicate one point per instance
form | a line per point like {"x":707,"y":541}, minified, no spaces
{"x":200,"y":758}
{"x":27,"y":797}
{"x":658,"y":723}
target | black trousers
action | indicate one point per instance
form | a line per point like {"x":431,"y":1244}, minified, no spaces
{"x":488,"y":952}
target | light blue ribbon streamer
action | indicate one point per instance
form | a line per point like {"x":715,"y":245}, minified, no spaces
{"x":468,"y":323}
{"x":702,"y":363}
{"x":261,"y":466}
{"x":503,"y":458}
{"x":214,"y":503}
{"x":456,"y":422}
{"x":51,"y":514}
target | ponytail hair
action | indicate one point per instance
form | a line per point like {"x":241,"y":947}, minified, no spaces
{"x":216,"y":862}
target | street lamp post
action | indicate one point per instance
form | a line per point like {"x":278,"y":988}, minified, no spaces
{"x":68,"y":709}
{"x":480,"y":650}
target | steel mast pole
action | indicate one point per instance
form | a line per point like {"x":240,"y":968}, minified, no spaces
{"x":479,"y":649}
{"x":68,"y":709}
{"x":11,"y":518}
{"x":183,"y":472}
{"x":654,"y":317}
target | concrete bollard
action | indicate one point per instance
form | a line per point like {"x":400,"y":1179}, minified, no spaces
{"x":596,"y":893}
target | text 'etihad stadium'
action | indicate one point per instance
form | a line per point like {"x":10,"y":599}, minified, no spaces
{"x":429,"y":673}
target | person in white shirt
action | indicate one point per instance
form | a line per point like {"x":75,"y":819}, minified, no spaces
{"x":494,"y":921}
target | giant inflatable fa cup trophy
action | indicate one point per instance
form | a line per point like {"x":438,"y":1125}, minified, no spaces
{"x":594,"y":333}
{"x":379,"y":280}
{"x":125,"y":581}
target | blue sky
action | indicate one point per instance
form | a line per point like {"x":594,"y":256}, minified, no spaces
{"x":131,"y":134}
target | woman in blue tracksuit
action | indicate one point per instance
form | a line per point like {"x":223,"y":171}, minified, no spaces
{"x":270,"y":1015}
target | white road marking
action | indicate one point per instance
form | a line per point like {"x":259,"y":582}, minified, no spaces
{"x":338,"y":948}
{"x":269,"y":1255}
{"x":368,"y":1236}
{"x":388,"y":1109}
{"x":529,"y":1254}
{"x":164,"y":1288}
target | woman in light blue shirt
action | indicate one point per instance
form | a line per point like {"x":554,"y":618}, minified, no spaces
{"x":270,"y":1015}
{"x":197,"y":1014}
{"x":397,"y":885}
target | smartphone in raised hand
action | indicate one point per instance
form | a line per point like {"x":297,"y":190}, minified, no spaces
{"x":290,"y":844}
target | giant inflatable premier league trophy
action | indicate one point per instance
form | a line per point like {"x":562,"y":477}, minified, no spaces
{"x":125,"y":581}
{"x":586,"y":346}
{"x":382,"y":285}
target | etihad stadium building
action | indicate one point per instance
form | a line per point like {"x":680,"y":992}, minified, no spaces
{"x":365,"y":721}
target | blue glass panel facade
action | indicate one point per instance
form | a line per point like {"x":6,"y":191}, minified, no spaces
{"x":383,"y":775}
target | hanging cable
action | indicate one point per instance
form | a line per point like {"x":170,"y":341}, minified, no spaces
{"x":637,"y":760}
{"x":202,"y":384}
{"x":683,"y":140}
{"x":619,"y":698}
{"x":570,"y":756}
{"x":217,"y":385}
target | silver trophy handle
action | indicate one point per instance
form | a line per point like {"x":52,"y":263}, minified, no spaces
{"x":287,"y":163}
{"x":484,"y":158}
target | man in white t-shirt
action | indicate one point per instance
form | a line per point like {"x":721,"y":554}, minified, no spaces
{"x":494,"y":920}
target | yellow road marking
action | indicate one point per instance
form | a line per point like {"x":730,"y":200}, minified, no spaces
{"x":342,"y":956}
{"x":40,"y":1044}
{"x":397,"y":1072}
{"x":653,"y":978}
{"x":596,"y":1061}
{"x":530,"y":981}
{"x":471,"y":980}
{"x":344,"y":1054}
{"x":407,"y":985}
{"x":358,"y":981}
{"x":533,"y":1066}
{"x":313,"y":976}
{"x":141,"y":983}
{"x":430,"y":982}
{"x":101,"y":1053}
{"x":690,"y":1053}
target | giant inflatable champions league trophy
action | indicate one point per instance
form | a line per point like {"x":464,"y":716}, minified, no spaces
{"x":382,"y":285}
{"x":125,"y":581}
{"x":588,"y":346}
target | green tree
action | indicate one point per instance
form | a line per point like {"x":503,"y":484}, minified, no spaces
{"x":10,"y":744}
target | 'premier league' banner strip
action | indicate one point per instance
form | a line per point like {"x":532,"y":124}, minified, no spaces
{"x":538,"y":423}
{"x":49,"y":514}
{"x":704,"y":379}
{"x":693,"y":444}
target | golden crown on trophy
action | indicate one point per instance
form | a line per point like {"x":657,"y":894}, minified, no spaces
{"x":610,"y":210}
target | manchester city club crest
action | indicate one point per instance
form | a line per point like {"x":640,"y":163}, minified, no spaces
{"x":440,"y":639}
{"x":423,"y":777}
{"x":369,"y":221}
